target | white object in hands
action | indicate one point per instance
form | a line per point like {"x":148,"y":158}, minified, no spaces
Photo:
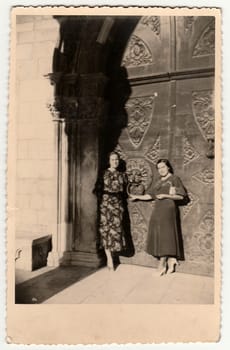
{"x":172,"y":190}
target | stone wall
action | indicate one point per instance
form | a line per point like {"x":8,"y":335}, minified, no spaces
{"x":36,"y":145}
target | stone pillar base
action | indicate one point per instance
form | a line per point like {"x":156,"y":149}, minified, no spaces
{"x":83,"y":259}
{"x":55,"y":258}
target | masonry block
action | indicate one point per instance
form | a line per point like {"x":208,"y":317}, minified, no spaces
{"x":25,"y":37}
{"x":25,"y":27}
{"x":26,"y":70}
{"x":24,"y":112}
{"x":35,"y":90}
{"x":38,"y":149}
{"x":46,"y":35}
{"x":39,"y":131}
{"x":44,"y":66}
{"x":40,"y":169}
{"x":36,"y":202}
{"x":23,"y":201}
{"x":24,"y":52}
{"x":32,"y":252}
{"x":22,"y":149}
{"x":43,"y":49}
{"x":48,"y":23}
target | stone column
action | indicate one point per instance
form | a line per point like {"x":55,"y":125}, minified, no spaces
{"x":62,"y":237}
{"x":91,"y":109}
{"x":77,"y":121}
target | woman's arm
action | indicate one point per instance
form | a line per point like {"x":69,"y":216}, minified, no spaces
{"x":175,"y":197}
{"x":143,"y":197}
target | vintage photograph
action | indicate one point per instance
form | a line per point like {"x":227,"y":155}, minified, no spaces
{"x":114,"y":134}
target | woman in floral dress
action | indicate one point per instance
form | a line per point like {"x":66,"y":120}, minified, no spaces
{"x":163,"y":241}
{"x":112,"y":209}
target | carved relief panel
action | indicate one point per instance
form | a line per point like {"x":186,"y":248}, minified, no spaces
{"x":196,"y":120}
{"x":171,"y":119}
{"x":195,"y":42}
{"x":142,"y":142}
{"x":146,"y":51}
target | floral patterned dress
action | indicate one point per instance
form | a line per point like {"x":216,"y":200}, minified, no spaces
{"x":164,"y":230}
{"x":111,"y":211}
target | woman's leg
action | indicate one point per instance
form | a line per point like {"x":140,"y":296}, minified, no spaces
{"x":162,"y":267}
{"x":172,"y":263}
{"x":109,"y":259}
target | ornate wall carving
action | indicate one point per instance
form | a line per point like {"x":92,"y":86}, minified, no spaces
{"x":140,"y":165}
{"x":206,"y":42}
{"x":153,"y":22}
{"x":137,"y":53}
{"x":140,"y":114}
{"x":188,"y":23}
{"x":189,"y":151}
{"x":206,"y":176}
{"x":64,"y":108}
{"x":200,"y":246}
{"x":139,"y":228}
{"x":193,"y":201}
{"x":153,"y":153}
{"x":207,"y":223}
{"x":203,"y":111}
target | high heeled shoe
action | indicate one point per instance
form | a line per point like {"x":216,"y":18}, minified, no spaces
{"x":162,"y":268}
{"x":111,"y":268}
{"x":172,"y":263}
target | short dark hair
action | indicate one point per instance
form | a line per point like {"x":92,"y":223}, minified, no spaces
{"x":166,"y":162}
{"x":113,"y":152}
{"x":109,"y":155}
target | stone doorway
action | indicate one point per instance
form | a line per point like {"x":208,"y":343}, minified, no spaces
{"x":147,"y":91}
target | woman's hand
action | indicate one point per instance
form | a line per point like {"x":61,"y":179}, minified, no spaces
{"x":132,"y":197}
{"x":162,"y":196}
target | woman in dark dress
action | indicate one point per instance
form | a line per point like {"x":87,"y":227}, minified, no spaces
{"x":112,"y":209}
{"x":163,"y":240}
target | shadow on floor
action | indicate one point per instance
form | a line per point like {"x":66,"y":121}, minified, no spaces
{"x":40,"y":288}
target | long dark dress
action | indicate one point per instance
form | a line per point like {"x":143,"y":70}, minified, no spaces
{"x":111,"y":211}
{"x":163,"y":236}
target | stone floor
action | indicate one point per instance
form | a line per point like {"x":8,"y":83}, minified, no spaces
{"x":129,"y":284}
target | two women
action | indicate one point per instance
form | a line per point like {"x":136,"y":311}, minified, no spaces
{"x":163,"y":240}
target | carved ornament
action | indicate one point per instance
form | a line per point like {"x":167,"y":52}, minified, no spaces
{"x":193,"y":201}
{"x":200,"y":247}
{"x":139,"y":228}
{"x":140,"y":114}
{"x":63,"y":108}
{"x":203,"y":111}
{"x":153,"y":154}
{"x":141,"y":167}
{"x":189,"y":151}
{"x":188,"y":23}
{"x":137,"y":53}
{"x":207,"y":223}
{"x":206,"y":176}
{"x":153,"y":22}
{"x":206,"y":42}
